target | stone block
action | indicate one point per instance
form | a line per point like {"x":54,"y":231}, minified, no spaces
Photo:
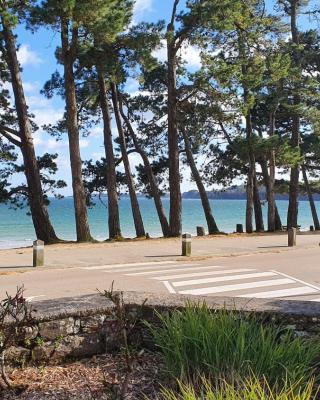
{"x":17,"y":355}
{"x":92,"y":324}
{"x":43,"y":353}
{"x":30,"y":332}
{"x":86,"y":345}
{"x":52,"y":329}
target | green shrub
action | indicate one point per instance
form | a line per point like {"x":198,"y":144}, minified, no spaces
{"x":250,"y":389}
{"x":231,"y":345}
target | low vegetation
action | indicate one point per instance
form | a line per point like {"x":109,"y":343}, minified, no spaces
{"x":203,"y":355}
{"x":250,"y":389}
{"x":251,"y":356}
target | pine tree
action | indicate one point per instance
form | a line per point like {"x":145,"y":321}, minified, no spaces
{"x":18,"y":130}
{"x":64,"y":16}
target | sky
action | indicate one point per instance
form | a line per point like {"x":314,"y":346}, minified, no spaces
{"x":36,"y":55}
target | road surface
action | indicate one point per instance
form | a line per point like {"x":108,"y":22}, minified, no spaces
{"x":238,"y":266}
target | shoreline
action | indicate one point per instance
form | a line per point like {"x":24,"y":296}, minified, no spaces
{"x":16,"y":229}
{"x":67,"y":244}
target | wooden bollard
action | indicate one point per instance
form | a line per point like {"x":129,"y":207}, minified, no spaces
{"x":239,"y":228}
{"x":186,"y":245}
{"x":201,"y":231}
{"x":38,"y":253}
{"x":292,"y":237}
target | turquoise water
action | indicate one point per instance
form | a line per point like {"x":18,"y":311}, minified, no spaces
{"x":16,"y":227}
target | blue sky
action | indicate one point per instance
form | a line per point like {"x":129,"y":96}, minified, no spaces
{"x":37,"y":58}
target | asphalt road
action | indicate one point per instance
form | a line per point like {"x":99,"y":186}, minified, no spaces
{"x":266,"y":270}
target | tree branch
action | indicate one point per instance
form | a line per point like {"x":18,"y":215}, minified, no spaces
{"x":128,"y":152}
{"x":174,"y":12}
{"x":10,"y":138}
{"x":19,"y":190}
{"x":10,"y":130}
{"x":226,"y":134}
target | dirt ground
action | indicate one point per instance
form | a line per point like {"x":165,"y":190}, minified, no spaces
{"x":100,"y":377}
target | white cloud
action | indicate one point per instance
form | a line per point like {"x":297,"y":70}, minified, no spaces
{"x":132,"y":85}
{"x":30,"y":87}
{"x":83,"y":143}
{"x":46,"y":144}
{"x":140,"y":8}
{"x":96,"y":132}
{"x":27,"y":56}
{"x":161,"y":53}
{"x":189,"y":54}
{"x":46,"y":116}
{"x":98,"y":155}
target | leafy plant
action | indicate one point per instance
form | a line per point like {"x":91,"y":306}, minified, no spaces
{"x":125,"y":324}
{"x":15,"y":315}
{"x":232,"y":345}
{"x":250,"y":389}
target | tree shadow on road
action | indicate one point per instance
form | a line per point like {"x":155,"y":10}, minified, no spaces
{"x":271,"y":247}
{"x":15,"y":267}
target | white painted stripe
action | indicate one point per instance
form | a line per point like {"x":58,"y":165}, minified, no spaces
{"x":316,"y":300}
{"x":193,"y":275}
{"x":129,"y":265}
{"x":281,"y":293}
{"x":30,"y":298}
{"x":222,"y":279}
{"x":153,"y":268}
{"x":173,"y":270}
{"x":169,"y":287}
{"x":298,"y":280}
{"x":239,"y":286}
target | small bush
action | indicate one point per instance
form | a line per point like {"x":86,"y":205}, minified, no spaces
{"x":231,"y":345}
{"x":250,"y":389}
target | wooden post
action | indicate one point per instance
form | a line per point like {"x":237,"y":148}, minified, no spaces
{"x":186,"y":245}
{"x":311,"y":228}
{"x":292,"y":237}
{"x":201,"y":231}
{"x":38,"y":253}
{"x":239,"y":228}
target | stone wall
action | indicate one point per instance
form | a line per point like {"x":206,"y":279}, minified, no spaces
{"x":78,"y":327}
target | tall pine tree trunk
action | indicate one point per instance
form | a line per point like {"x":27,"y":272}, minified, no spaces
{"x":257,"y":205}
{"x":249,"y":136}
{"x":250,"y":178}
{"x":173,"y":139}
{"x":271,"y":180}
{"x":79,"y":195}
{"x":40,"y":217}
{"x":138,"y":222}
{"x":113,"y":206}
{"x":293,"y":208}
{"x":155,"y":193}
{"x":311,"y":200}
{"x":266,"y":178}
{"x":212,"y":226}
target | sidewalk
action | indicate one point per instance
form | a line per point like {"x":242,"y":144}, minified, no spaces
{"x":134,"y":251}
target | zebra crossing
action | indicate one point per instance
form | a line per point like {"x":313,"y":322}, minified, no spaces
{"x":198,"y":279}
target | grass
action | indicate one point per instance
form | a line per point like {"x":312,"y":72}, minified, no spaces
{"x":250,"y":389}
{"x":232,"y":346}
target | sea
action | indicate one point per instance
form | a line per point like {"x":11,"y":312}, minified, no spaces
{"x":16,"y":229}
